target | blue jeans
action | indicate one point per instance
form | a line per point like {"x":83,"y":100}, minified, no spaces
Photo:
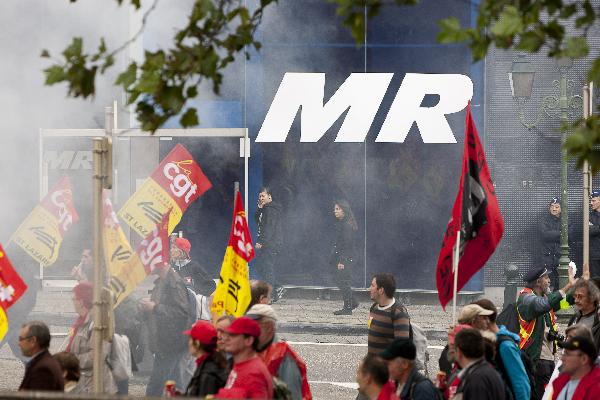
{"x":165,"y":367}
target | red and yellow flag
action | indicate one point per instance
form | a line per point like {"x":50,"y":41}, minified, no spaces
{"x":176,"y":183}
{"x":42,"y":232}
{"x":11,"y":288}
{"x":126,"y":267}
{"x":232,"y":296}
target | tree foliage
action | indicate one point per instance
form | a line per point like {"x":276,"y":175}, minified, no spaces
{"x":218,"y":30}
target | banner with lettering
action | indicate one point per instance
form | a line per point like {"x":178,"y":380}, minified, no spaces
{"x":12,"y":288}
{"x":127,"y":268}
{"x":176,"y":183}
{"x":232,"y":295}
{"x":42,"y":232}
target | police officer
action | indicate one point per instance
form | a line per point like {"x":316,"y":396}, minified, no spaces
{"x":549,"y":228}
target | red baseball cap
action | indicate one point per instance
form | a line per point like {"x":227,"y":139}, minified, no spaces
{"x":183,"y":244}
{"x":244,"y":326}
{"x":203,"y":331}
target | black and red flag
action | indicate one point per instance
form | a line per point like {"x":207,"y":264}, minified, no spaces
{"x":475,"y":213}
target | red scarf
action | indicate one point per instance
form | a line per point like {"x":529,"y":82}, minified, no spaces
{"x":79,"y":322}
{"x":201,"y":359}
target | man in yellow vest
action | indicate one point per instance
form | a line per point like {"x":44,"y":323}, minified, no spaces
{"x":536,"y":306}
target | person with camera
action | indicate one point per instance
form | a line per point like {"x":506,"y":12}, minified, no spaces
{"x":538,"y":331}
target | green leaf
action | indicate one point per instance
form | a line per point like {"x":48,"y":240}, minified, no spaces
{"x":451,"y":31}
{"x":568,"y":11}
{"x":594,"y":72}
{"x":74,"y":49}
{"x":575,"y":47}
{"x":189,"y":118}
{"x":588,"y":17}
{"x":509,"y":23}
{"x":192,"y":92}
{"x":55,"y":74}
{"x":531,"y":41}
{"x":127,"y":77}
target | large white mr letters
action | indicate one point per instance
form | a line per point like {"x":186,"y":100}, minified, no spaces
{"x":361,"y":94}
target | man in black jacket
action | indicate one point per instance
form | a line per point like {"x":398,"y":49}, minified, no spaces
{"x":167,"y":313}
{"x":478,"y":380}
{"x":190,"y":271}
{"x":42,"y":372}
{"x":595,"y":234}
{"x":549,"y":228}
{"x":268,"y":239}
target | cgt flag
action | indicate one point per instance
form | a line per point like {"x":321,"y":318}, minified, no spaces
{"x":475,"y":213}
{"x":232,"y":295}
{"x":127,"y":268}
{"x":42,"y":232}
{"x":175,"y":184}
{"x":11,"y":288}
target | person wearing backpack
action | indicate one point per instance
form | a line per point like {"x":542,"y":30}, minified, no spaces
{"x":508,"y":359}
{"x":411,"y":385}
{"x":535,"y":311}
{"x":388,"y":319}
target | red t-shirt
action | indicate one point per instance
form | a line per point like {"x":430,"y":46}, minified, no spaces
{"x":249,"y":379}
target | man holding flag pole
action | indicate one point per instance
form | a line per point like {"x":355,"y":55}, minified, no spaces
{"x":476,"y":225}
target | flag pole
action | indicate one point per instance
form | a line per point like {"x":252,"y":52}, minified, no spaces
{"x":455,"y":272}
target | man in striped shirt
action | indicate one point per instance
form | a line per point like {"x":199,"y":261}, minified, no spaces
{"x":388,"y":318}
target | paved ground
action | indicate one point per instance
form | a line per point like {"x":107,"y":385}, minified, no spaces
{"x":331,"y":346}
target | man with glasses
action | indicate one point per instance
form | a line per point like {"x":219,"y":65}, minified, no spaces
{"x":586,"y":297}
{"x":42,"y":371}
{"x":579,"y":377}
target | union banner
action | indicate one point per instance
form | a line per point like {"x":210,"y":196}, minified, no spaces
{"x":42,"y":232}
{"x":176,"y":183}
{"x":127,"y":268}
{"x":12,"y":288}
{"x":232,"y":295}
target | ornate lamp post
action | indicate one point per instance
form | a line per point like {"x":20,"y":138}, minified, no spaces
{"x":563,"y":104}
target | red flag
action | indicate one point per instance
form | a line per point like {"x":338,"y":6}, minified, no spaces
{"x":11,"y":285}
{"x":475,"y":213}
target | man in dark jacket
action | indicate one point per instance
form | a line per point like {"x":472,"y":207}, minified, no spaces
{"x":536,"y":306}
{"x":401,"y":355}
{"x":42,"y":371}
{"x":194,"y":276}
{"x":595,"y":234}
{"x":549,"y":228}
{"x":586,"y":297}
{"x":167,"y":314}
{"x":477,"y":380}
{"x":269,"y":238}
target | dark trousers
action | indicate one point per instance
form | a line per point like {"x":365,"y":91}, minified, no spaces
{"x":343,"y":279}
{"x":543,"y":372}
{"x":165,"y":367}
{"x":265,"y":265}
{"x":594,"y":268}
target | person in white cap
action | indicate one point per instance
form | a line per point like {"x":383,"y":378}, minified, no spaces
{"x":281,"y":360}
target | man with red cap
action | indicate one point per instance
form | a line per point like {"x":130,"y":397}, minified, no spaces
{"x":192,"y":273}
{"x":249,"y":378}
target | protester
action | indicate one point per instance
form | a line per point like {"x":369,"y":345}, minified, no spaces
{"x":281,"y":360}
{"x":536,"y":306}
{"x":221,"y":325}
{"x":373,"y":381}
{"x":42,"y":372}
{"x":587,"y":298}
{"x":80,"y":342}
{"x":249,"y":378}
{"x":343,"y":254}
{"x":579,"y":378}
{"x":69,"y":365}
{"x":475,"y":316}
{"x":260,"y":292}
{"x":83,"y":272}
{"x":477,"y":380}
{"x":508,"y":355}
{"x":388,"y":319}
{"x":595,"y":234}
{"x":211,"y":367}
{"x":269,"y":239}
{"x":401,"y":355}
{"x":190,"y":271}
{"x":167,"y":315}
{"x":447,"y":361}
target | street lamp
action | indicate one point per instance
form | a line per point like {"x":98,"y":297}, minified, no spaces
{"x":562,"y":104}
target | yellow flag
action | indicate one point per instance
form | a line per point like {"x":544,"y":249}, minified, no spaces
{"x":3,"y":323}
{"x":41,"y":234}
{"x":233,"y":296}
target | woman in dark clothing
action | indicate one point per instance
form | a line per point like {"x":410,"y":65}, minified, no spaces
{"x":211,"y":370}
{"x":343,"y":254}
